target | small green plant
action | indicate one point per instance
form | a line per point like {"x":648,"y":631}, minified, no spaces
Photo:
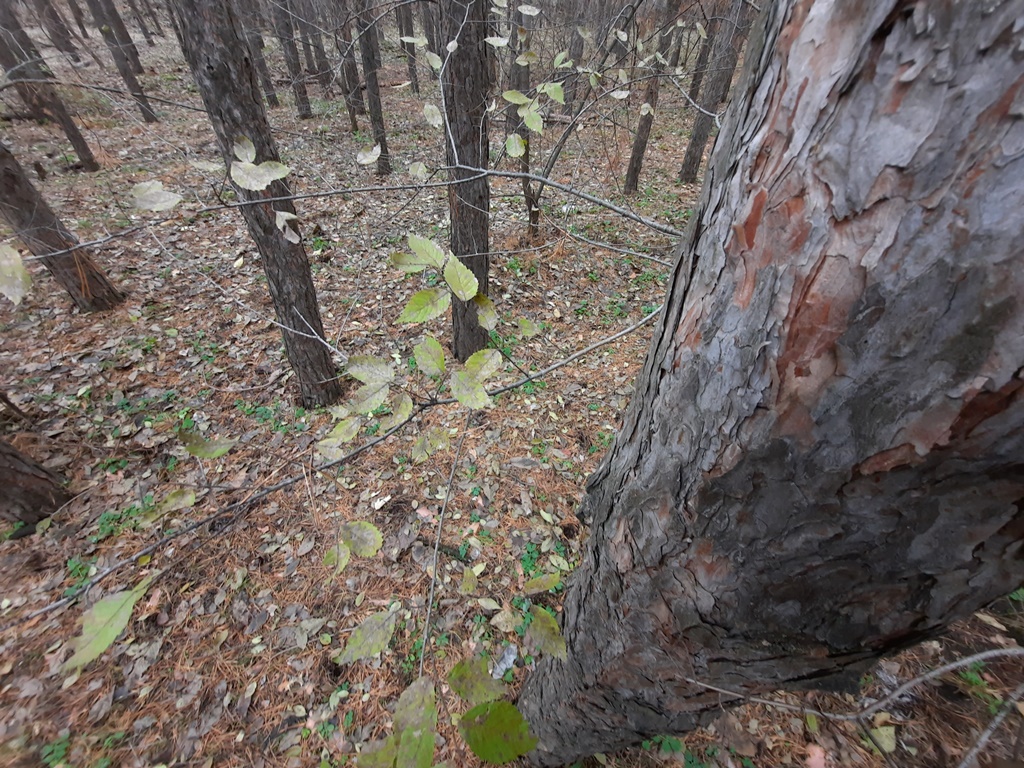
{"x":78,"y":572}
{"x":111,"y":465}
{"x":583,"y":310}
{"x":669,"y":745}
{"x":55,"y":753}
{"x":528,"y":560}
{"x":113,"y":523}
{"x":602,"y":440}
{"x":978,"y":687}
{"x":593,"y":277}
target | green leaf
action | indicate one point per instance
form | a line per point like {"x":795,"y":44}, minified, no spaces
{"x":496,"y":732}
{"x":428,"y":442}
{"x":543,"y":583}
{"x":526,"y":58}
{"x":416,"y":724}
{"x":545,"y":634}
{"x":401,"y":412}
{"x":529,"y":10}
{"x":701,"y":32}
{"x":201,"y":448}
{"x":469,"y":582}
{"x":102,"y":624}
{"x":562,"y":60}
{"x":471,"y":680}
{"x":515,"y":146}
{"x":468,"y":391}
{"x":282,"y":220}
{"x":483,"y":364}
{"x":516,"y":97}
{"x":244,"y":149}
{"x":179,"y":498}
{"x":368,"y":156}
{"x":151,"y":196}
{"x":486,"y":313}
{"x":418,"y":171}
{"x":426,"y":305}
{"x":258,"y":177}
{"x":369,"y":638}
{"x":379,"y":755}
{"x":527,"y":328}
{"x":409,"y":263}
{"x":533,"y":121}
{"x":370,"y":370}
{"x":886,"y":737}
{"x":433,"y":60}
{"x":369,"y":397}
{"x":337,"y":557}
{"x":460,"y":279}
{"x":429,"y":253}
{"x":497,"y":42}
{"x":553,"y":90}
{"x":344,"y":432}
{"x":419,"y":42}
{"x":429,"y":356}
{"x":14,"y":278}
{"x":363,"y":538}
{"x":433,"y":115}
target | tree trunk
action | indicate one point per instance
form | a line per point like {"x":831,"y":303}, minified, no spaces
{"x":76,"y":12}
{"x":56,"y":29}
{"x":428,"y":15}
{"x":119,"y":53}
{"x":370,"y":51}
{"x":724,"y":55}
{"x":231,"y":94}
{"x":643,"y":130}
{"x":703,"y":55}
{"x":141,"y":23}
{"x":823,"y":461}
{"x":406,"y":28}
{"x":36,"y":225}
{"x":350,"y":71}
{"x":286,"y":34}
{"x":153,"y":17}
{"x":22,"y":62}
{"x":31,"y":491}
{"x":466,"y":83}
{"x":113,"y":19}
{"x":175,"y":25}
{"x":254,"y":39}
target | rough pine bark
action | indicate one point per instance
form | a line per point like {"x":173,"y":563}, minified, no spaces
{"x":465,"y":79}
{"x":724,"y":55}
{"x":823,"y":461}
{"x":37,"y":226}
{"x":31,"y":491}
{"x":223,"y":68}
{"x":370,"y":50}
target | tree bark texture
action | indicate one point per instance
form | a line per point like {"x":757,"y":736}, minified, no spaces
{"x":153,"y":17}
{"x":31,"y":491}
{"x":350,"y":72}
{"x":113,"y":19}
{"x":222,"y":66}
{"x":141,"y":23}
{"x":724,"y":55}
{"x":643,"y":129}
{"x":823,"y":461}
{"x":21,"y":60}
{"x":700,"y":68}
{"x":76,"y":12}
{"x":285,"y":32}
{"x":431,"y":30}
{"x":370,"y":50}
{"x":36,"y":225}
{"x":308,"y":23}
{"x":406,"y":28}
{"x":119,"y":53}
{"x":465,"y":79}
{"x":253,"y":38}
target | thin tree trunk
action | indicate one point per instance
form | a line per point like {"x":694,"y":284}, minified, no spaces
{"x":76,"y":12}
{"x":56,"y":29}
{"x":119,"y":53}
{"x":23,"y":63}
{"x":173,"y":16}
{"x":37,"y":226}
{"x":350,"y":69}
{"x":314,"y":44}
{"x":724,"y":55}
{"x":466,"y":84}
{"x":576,"y":46}
{"x":230,"y":90}
{"x":286,"y":34}
{"x":153,"y":17}
{"x":141,"y":23}
{"x":428,"y":15}
{"x":407,"y":29}
{"x":371,"y":63}
{"x":703,"y":55}
{"x":822,"y":460}
{"x":112,"y":17}
{"x":255,"y":41}
{"x":519,"y":80}
{"x":643,"y":130}
{"x":31,"y":491}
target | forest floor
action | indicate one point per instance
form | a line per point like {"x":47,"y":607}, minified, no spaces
{"x":227,"y":658}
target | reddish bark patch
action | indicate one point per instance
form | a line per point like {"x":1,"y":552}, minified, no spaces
{"x":887,"y":460}
{"x":984,"y":406}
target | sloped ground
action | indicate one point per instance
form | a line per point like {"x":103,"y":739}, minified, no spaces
{"x":227,"y":658}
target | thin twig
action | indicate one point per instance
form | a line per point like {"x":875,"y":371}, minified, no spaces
{"x":1005,"y":710}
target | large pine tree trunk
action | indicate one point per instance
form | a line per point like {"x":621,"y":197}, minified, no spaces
{"x":466,"y":83}
{"x":823,"y":461}
{"x":228,"y":83}
{"x":36,"y":225}
{"x":31,"y":492}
